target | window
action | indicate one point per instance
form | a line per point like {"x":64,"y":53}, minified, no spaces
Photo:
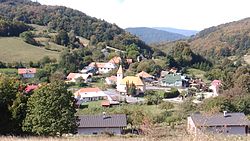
{"x":94,"y":133}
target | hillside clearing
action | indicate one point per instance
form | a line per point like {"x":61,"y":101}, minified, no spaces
{"x":15,"y":50}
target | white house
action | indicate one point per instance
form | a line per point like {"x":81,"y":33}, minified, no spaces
{"x":99,"y":124}
{"x":89,"y":94}
{"x":112,"y":80}
{"x":72,"y":77}
{"x":27,"y":72}
{"x":171,"y":80}
{"x":128,"y":80}
{"x":103,"y":67}
{"x":215,"y":87}
{"x":222,"y":123}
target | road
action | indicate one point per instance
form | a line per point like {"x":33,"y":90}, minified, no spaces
{"x":129,"y":99}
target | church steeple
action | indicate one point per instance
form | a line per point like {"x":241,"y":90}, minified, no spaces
{"x":120,"y":70}
{"x":119,"y":77}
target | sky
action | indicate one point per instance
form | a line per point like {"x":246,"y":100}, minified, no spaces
{"x":182,"y":14}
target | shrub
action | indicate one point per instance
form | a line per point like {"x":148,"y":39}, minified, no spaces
{"x":166,"y":105}
{"x":153,"y":97}
{"x":173,"y":93}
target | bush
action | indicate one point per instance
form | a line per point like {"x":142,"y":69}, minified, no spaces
{"x":166,"y":106}
{"x":153,"y":97}
{"x":172,"y":94}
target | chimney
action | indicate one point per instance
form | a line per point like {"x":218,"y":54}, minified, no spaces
{"x":225,"y":113}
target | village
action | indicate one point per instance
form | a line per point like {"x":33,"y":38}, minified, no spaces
{"x":95,"y":85}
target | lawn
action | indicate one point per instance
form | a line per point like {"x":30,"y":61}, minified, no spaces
{"x":13,"y":49}
{"x":8,"y":71}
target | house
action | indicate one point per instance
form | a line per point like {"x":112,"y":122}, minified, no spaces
{"x":117,"y":60}
{"x":171,"y":80}
{"x":223,"y":123}
{"x":72,"y":77}
{"x":112,"y":80}
{"x":173,"y":70}
{"x":99,"y":124}
{"x":103,"y":67}
{"x":108,"y":103}
{"x":215,"y":87}
{"x":128,"y":80}
{"x":27,"y":72}
{"x":89,"y":94}
{"x":145,"y":76}
{"x":89,"y":69}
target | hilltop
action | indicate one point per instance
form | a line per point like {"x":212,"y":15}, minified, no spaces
{"x":179,"y":31}
{"x":151,"y":35}
{"x":223,"y":40}
{"x":218,"y":41}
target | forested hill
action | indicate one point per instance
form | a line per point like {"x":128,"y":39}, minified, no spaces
{"x":224,"y":40}
{"x":99,"y":32}
{"x":151,"y":35}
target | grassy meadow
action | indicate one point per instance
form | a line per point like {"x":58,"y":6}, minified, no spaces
{"x":16,"y":50}
{"x":129,"y":138}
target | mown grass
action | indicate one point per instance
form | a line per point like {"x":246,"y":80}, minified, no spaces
{"x":13,"y":49}
{"x":8,"y":71}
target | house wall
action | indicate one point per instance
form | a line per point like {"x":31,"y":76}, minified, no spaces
{"x":28,"y":75}
{"x":191,"y":128}
{"x":122,"y":88}
{"x":91,"y":131}
{"x":105,"y":70}
{"x":91,"y":96}
{"x":228,"y":130}
{"x":176,"y":84}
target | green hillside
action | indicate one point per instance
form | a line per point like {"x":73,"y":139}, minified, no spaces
{"x":15,"y":50}
{"x":58,"y":18}
{"x":223,"y":40}
{"x":151,"y":35}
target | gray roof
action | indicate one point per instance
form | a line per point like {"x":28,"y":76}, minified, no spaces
{"x":171,"y":78}
{"x":119,"y":120}
{"x":231,"y":119}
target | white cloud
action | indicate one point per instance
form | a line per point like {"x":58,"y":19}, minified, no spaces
{"x":187,"y":14}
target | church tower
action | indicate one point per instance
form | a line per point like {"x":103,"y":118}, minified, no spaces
{"x":119,"y":77}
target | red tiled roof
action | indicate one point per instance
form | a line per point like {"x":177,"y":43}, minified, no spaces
{"x":117,"y":60}
{"x":112,"y":78}
{"x":71,"y":76}
{"x":144,"y":74}
{"x":27,"y":71}
{"x":86,"y":90}
{"x":105,"y":103}
{"x":99,"y":65}
{"x":216,"y":82}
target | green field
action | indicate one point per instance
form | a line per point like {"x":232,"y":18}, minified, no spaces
{"x":15,"y":50}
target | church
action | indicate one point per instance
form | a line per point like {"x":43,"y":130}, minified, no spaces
{"x":128,"y":80}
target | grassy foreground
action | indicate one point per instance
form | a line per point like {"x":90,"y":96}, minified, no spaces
{"x":13,"y":49}
{"x":125,"y":138}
